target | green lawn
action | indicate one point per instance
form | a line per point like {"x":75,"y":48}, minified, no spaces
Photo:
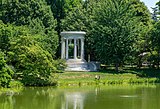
{"x":106,"y":77}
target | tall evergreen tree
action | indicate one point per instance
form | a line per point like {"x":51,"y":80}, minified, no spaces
{"x":81,"y":19}
{"x":60,"y":9}
{"x":158,"y":4}
{"x":155,"y":13}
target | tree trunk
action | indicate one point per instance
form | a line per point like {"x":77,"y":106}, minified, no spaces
{"x":158,"y":59}
{"x":116,"y":67}
{"x":139,"y":62}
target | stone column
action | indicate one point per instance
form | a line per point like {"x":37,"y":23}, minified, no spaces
{"x":62,"y":48}
{"x":82,"y":48}
{"x":75,"y":48}
{"x":66,"y":48}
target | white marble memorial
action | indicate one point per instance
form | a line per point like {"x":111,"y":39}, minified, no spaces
{"x":72,"y":49}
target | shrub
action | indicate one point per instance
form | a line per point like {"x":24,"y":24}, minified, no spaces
{"x":5,"y":72}
{"x":30,"y":59}
{"x":15,"y":84}
{"x":60,"y":64}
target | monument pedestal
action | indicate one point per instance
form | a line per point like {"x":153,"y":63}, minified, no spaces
{"x":81,"y":65}
{"x":77,"y":65}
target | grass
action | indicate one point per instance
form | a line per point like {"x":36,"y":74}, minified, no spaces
{"x":108,"y":77}
{"x":10,"y":91}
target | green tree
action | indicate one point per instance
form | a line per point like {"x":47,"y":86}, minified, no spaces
{"x":155,"y":14}
{"x":143,"y":15}
{"x":158,"y":5}
{"x":141,"y":11}
{"x":4,"y":37}
{"x":25,"y":53}
{"x":87,"y":18}
{"x":115,"y":32}
{"x":81,"y":19}
{"x":5,"y":72}
{"x":35,"y":63}
{"x":155,"y":42}
{"x":36,"y":15}
{"x":61,"y":8}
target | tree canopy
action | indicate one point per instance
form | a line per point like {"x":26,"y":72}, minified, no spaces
{"x":6,"y":72}
{"x":115,"y":28}
{"x":36,"y":15}
{"x":26,"y":55}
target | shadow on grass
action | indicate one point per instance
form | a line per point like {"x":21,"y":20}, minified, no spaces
{"x":147,"y":72}
{"x":144,"y":72}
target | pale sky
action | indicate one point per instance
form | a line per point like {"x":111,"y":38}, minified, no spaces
{"x":150,"y":3}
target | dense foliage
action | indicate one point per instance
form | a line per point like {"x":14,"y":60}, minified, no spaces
{"x":5,"y":72}
{"x":155,"y":43}
{"x":32,"y":64}
{"x":154,"y":39}
{"x":118,"y":32}
{"x":28,"y":58}
{"x":36,"y":15}
{"x":116,"y":29}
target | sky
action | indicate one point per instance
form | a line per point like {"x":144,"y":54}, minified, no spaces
{"x":150,"y":3}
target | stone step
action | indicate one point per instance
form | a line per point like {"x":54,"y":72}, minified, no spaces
{"x":77,"y":66}
{"x":81,"y":65}
{"x":75,"y":61}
